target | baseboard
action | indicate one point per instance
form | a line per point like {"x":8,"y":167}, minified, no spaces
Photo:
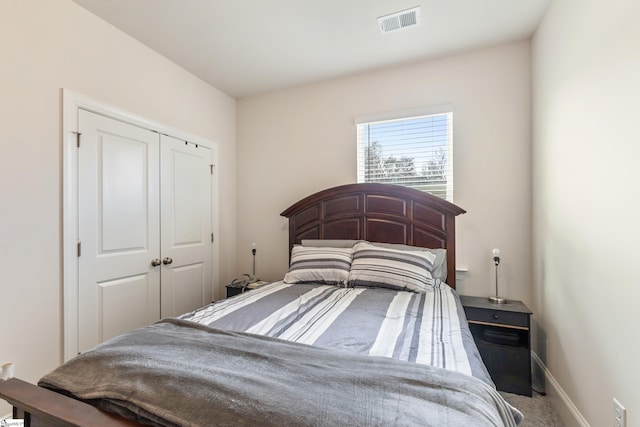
{"x":569,"y":413}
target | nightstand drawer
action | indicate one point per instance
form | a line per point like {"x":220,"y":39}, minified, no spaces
{"x":497,"y":317}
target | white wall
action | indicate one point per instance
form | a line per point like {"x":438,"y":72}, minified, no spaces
{"x":48,"y":45}
{"x":586,"y":204}
{"x":295,"y":142}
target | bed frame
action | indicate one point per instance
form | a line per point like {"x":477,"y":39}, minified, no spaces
{"x":374,"y":212}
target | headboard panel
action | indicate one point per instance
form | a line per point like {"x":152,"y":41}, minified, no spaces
{"x":377,"y":213}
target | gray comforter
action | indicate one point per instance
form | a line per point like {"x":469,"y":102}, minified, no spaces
{"x":177,"y":372}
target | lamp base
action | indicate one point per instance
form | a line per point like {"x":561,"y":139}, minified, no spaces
{"x":497,"y":300}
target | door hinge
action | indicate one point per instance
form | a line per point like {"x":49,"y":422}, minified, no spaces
{"x":79,"y":249}
{"x":78,"y":138}
{"x":211,"y":169}
{"x":212,"y":239}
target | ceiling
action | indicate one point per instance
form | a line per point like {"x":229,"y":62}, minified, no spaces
{"x":249,"y":47}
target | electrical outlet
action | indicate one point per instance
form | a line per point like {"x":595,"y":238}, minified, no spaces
{"x":619,"y":414}
{"x":6,"y":371}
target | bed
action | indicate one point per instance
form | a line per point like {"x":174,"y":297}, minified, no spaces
{"x":364,"y":329}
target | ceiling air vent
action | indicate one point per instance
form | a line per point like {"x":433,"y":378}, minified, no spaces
{"x":400,"y":20}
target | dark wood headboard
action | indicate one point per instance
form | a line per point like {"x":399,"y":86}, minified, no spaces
{"x":377,"y":213}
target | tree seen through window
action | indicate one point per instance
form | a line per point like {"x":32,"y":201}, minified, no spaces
{"x":414,"y":152}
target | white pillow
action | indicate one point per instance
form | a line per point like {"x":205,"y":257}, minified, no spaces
{"x":375,"y":266}
{"x":334,"y":243}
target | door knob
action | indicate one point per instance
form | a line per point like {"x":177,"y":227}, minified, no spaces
{"x":167,"y":261}
{"x":155,"y":262}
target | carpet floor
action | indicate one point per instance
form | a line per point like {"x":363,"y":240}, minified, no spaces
{"x":537,"y":410}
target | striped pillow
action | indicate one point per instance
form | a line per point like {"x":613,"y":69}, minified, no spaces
{"x":374,"y":266}
{"x":319,"y":265}
{"x":439,"y":270}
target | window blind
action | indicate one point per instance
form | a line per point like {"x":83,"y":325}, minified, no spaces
{"x":415,"y":152}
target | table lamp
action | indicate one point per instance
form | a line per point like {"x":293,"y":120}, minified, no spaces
{"x":497,"y":299}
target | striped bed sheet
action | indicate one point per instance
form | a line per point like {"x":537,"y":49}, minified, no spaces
{"x":426,"y":328}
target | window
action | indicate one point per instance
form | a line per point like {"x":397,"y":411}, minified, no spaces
{"x":414,"y":151}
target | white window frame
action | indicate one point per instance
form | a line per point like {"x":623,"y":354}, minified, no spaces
{"x":407,"y":115}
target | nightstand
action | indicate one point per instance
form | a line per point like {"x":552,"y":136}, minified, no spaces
{"x":235,"y":290}
{"x":502,"y":334}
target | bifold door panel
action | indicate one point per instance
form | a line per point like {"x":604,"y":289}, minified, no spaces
{"x":186,"y":226}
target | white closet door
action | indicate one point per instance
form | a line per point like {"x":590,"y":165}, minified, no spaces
{"x":185,"y":226}
{"x":118,"y":226}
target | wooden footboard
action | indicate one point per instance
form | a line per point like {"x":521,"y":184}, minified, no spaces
{"x":41,"y":407}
